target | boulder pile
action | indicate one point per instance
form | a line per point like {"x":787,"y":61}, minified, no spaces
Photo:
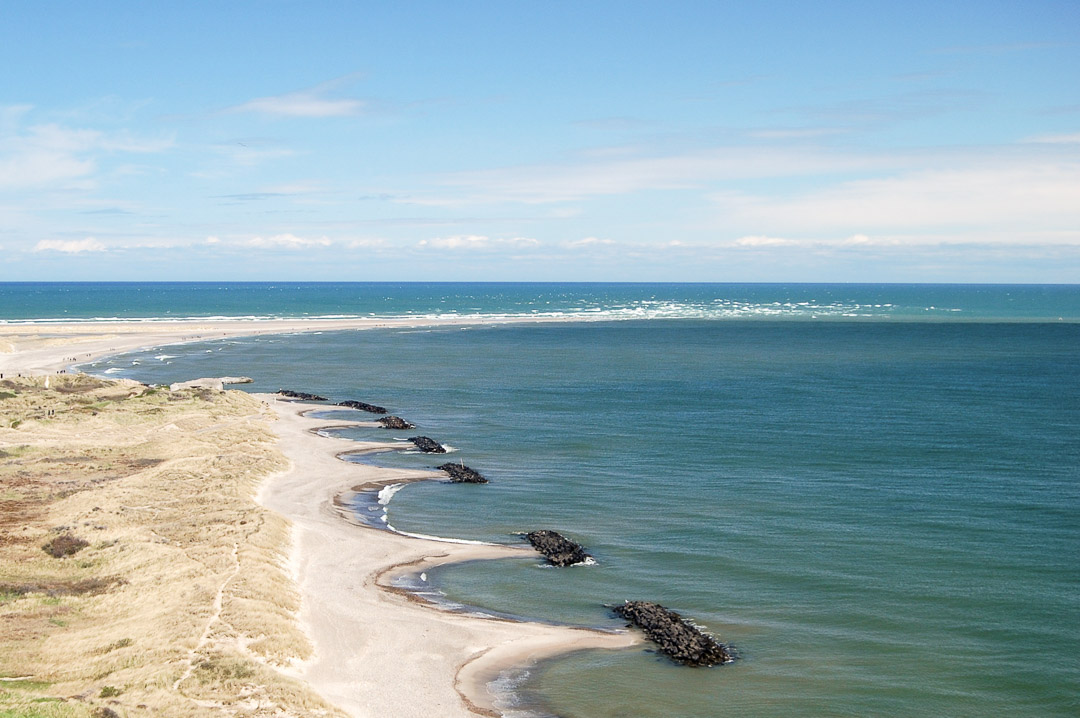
{"x":462,"y":474}
{"x":301,"y":395}
{"x":556,"y":548}
{"x":395,"y":422}
{"x":428,"y":446}
{"x":676,"y":637}
{"x":362,"y":406}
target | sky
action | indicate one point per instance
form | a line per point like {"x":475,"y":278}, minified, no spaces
{"x":540,"y":141}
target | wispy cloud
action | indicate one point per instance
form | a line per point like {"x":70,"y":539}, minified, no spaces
{"x":273,"y":192}
{"x":594,"y":176}
{"x":312,"y":102}
{"x":51,"y":155}
{"x":997,"y":49}
{"x":74,"y":246}
{"x":1062,"y":139}
{"x":1026,"y":195}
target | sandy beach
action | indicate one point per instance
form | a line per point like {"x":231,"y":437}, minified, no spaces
{"x":374,"y":650}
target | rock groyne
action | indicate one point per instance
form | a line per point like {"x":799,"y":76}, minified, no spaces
{"x":462,"y":474}
{"x":556,"y":548}
{"x":676,"y":637}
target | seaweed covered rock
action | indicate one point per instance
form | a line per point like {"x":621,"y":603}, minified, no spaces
{"x":395,"y":422}
{"x":462,"y":474}
{"x":676,"y":637}
{"x":556,"y":548}
{"x":362,"y":406}
{"x":301,"y":395}
{"x":428,"y":446}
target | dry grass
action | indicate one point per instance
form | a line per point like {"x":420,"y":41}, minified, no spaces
{"x":179,"y":604}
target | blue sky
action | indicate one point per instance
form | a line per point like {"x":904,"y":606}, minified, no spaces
{"x":621,"y":141}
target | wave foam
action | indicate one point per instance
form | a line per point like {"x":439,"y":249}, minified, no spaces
{"x":387,"y":492}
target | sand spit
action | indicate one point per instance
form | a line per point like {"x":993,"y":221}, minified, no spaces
{"x":28,"y":348}
{"x":367,"y":637}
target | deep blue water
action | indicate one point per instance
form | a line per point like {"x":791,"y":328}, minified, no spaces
{"x":880,"y":515}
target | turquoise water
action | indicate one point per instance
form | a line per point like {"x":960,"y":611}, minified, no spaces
{"x":881,"y":516}
{"x":98,"y":301}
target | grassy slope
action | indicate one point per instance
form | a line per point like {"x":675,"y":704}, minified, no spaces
{"x":180,"y":604}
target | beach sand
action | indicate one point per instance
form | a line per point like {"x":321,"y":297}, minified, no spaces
{"x":365,"y":647}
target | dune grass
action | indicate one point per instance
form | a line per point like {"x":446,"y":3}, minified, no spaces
{"x":176,"y":600}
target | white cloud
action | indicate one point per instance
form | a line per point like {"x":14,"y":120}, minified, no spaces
{"x":763,"y":241}
{"x":477,"y":242}
{"x":366,"y":243}
{"x":589,"y":242}
{"x":306,"y":103}
{"x":74,"y":246}
{"x":286,"y":241}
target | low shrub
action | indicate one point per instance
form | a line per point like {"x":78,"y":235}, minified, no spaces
{"x":64,"y":545}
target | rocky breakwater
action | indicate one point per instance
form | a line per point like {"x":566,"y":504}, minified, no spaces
{"x":676,"y":637}
{"x":362,"y":406}
{"x":301,"y":395}
{"x":395,"y":422}
{"x":428,"y":446}
{"x":462,"y":474}
{"x":556,"y":548}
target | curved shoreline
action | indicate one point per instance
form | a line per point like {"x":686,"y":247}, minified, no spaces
{"x":462,"y":652}
{"x":364,"y":632}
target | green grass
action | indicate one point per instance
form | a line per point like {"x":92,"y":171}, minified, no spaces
{"x":27,"y":685}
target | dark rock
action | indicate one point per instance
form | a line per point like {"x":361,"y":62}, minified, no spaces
{"x":395,"y":422}
{"x":556,"y":548}
{"x":363,"y":406}
{"x":677,"y":638}
{"x":301,"y":395}
{"x":462,"y":474}
{"x":428,"y":446}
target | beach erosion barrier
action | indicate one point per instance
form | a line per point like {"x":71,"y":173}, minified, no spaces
{"x":675,"y":637}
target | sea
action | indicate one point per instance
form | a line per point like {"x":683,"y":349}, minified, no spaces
{"x":870,"y":492}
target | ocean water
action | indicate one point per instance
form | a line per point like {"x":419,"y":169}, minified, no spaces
{"x":880,"y":512}
{"x":265,"y":301}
